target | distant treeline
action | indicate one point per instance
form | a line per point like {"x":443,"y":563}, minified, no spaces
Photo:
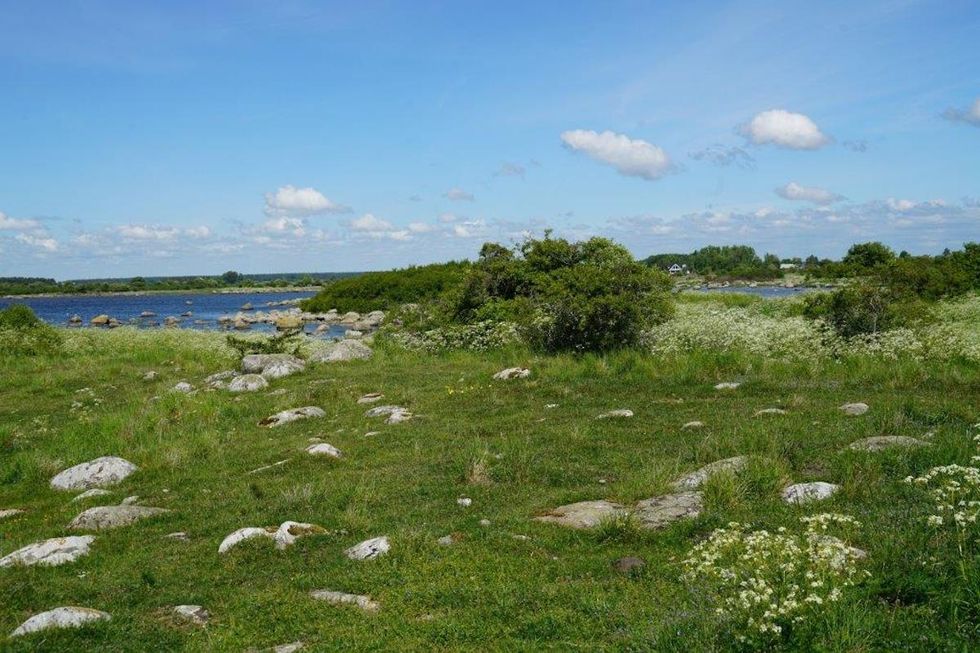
{"x":726,"y":261}
{"x":230,"y":279}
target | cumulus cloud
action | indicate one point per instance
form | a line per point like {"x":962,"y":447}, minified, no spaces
{"x":784,"y":129}
{"x":458,"y":195}
{"x":42,"y":243}
{"x":146,"y":232}
{"x":374,"y":227}
{"x":796,"y":192}
{"x":292,"y":201}
{"x":13,"y":224}
{"x":508,"y":169}
{"x":630,"y":157}
{"x":721,"y":155}
{"x":284,"y":224}
{"x":970,"y":115}
{"x":421,"y":227}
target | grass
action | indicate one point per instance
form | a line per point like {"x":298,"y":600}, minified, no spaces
{"x":494,"y":442}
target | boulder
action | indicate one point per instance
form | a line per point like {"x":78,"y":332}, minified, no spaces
{"x":281,"y":368}
{"x":324,"y":449}
{"x":342,"y":598}
{"x":369,"y":549}
{"x":882,"y":442}
{"x":291,"y":415}
{"x":584,"y":514}
{"x":345,"y":350}
{"x":694,"y":480}
{"x":257,"y":363}
{"x":63,"y":617}
{"x":512,"y":373}
{"x":854,"y":409}
{"x":100,"y":320}
{"x":105,"y":517}
{"x":806,"y":492}
{"x":349,"y":318}
{"x":663,"y":510}
{"x":370,"y":398}
{"x":194,"y":614}
{"x":248,"y":383}
{"x":50,"y":553}
{"x":101,"y":472}
{"x":289,"y":322}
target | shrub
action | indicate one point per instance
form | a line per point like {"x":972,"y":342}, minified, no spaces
{"x":386,"y":290}
{"x":866,"y":308}
{"x":285,"y":342}
{"x":23,"y":333}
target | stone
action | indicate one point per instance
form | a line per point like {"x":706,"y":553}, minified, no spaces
{"x":399,"y":417}
{"x":370,"y":398}
{"x":88,"y":494}
{"x":369,"y":549}
{"x":512,"y":373}
{"x":279,"y":369}
{"x":769,"y":411}
{"x":618,"y":413}
{"x":195,"y":614}
{"x":10,"y":512}
{"x":289,"y":531}
{"x":370,"y":434}
{"x":806,"y":492}
{"x":484,"y":522}
{"x":179,"y":536}
{"x":219,"y":380}
{"x":248,"y":383}
{"x":256,"y":363}
{"x":694,"y":480}
{"x":882,"y":442}
{"x":241,"y":535}
{"x":291,"y":415}
{"x":183,"y":387}
{"x":148,"y":314}
{"x":289,"y":322}
{"x":150,"y":376}
{"x":446,"y":540}
{"x":99,"y":320}
{"x":324,"y":449}
{"x":629,"y":565}
{"x":584,"y":514}
{"x":247,"y":306}
{"x":63,"y":617}
{"x":349,"y":318}
{"x":353,"y":333}
{"x":129,"y":501}
{"x":380,"y":411}
{"x":854,"y":409}
{"x":171,"y":321}
{"x":663,"y":510}
{"x":693,"y":425}
{"x":342,"y":598}
{"x":100,"y":472}
{"x":727,"y":385}
{"x":75,"y":319}
{"x":105,"y":517}
{"x":464,"y":502}
{"x":50,"y":553}
{"x":345,"y":350}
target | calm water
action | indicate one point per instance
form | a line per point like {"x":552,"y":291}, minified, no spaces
{"x":206,"y":308}
{"x":764,"y":291}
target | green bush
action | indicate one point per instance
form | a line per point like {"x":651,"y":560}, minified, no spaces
{"x":23,"y":333}
{"x":866,"y":308}
{"x":374,"y":291}
{"x":284,"y":342}
{"x":587,"y":296}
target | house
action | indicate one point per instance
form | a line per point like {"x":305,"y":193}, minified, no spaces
{"x":787,"y":266}
{"x":675,"y":269}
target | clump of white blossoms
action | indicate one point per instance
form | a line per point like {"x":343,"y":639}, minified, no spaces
{"x":955,"y":489}
{"x":763,"y":582}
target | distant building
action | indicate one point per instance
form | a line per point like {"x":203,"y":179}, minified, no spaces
{"x":787,"y":266}
{"x":675,"y":269}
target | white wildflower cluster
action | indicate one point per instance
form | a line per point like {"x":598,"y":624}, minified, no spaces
{"x":482,"y":336}
{"x":129,"y":338}
{"x":955,"y":489}
{"x":763,"y":582}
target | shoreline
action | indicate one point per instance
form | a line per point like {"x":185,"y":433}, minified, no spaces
{"x":195,"y":291}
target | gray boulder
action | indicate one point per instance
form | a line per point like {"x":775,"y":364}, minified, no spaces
{"x":584,"y":514}
{"x":345,"y":350}
{"x":694,"y":480}
{"x":292,"y":415}
{"x":106,"y":517}
{"x":64,"y":617}
{"x":882,"y":442}
{"x":101,"y":472}
{"x":50,"y":553}
{"x":248,"y":383}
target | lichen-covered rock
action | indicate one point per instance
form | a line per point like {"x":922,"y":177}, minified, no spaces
{"x":345,"y":350}
{"x":284,"y":536}
{"x":257,"y":363}
{"x":63,"y":617}
{"x":101,"y":472}
{"x":584,"y":514}
{"x":806,"y":492}
{"x":291,"y":415}
{"x":694,"y":480}
{"x":106,"y":517}
{"x":324,"y":449}
{"x":219,"y":380}
{"x":194,"y":614}
{"x":50,"y":553}
{"x":512,"y":373}
{"x":248,"y":383}
{"x":663,"y":510}
{"x":882,"y":442}
{"x":370,"y":398}
{"x":279,"y":369}
{"x":855,"y":409}
{"x":183,"y":387}
{"x":369,"y":549}
{"x":362,"y":601}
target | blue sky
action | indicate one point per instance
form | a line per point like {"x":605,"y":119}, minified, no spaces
{"x":192,"y":138}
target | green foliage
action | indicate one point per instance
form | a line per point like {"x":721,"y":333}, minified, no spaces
{"x":386,"y":290}
{"x":868,"y":256}
{"x":727,"y":261}
{"x":587,"y":296}
{"x":284,"y":342}
{"x":866,"y":308}
{"x":23,"y":333}
{"x":231,"y":277}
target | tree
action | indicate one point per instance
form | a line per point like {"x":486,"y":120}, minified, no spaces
{"x":231,"y":277}
{"x":867,"y":256}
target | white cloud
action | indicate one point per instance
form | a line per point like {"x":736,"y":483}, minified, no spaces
{"x":283,"y":224}
{"x":630,"y":157}
{"x":198,"y":232}
{"x":447,"y":218}
{"x":796,"y":192}
{"x":459,"y":195}
{"x":369,"y":222}
{"x":785,"y":129}
{"x":421,"y":227}
{"x":13,"y":224}
{"x":899,"y":205}
{"x":292,"y":201}
{"x":40,"y":242}
{"x":147,"y":232}
{"x":970,"y":116}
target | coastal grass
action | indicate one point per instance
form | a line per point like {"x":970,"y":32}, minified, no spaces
{"x":496,"y":442}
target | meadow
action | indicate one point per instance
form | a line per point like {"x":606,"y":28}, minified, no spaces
{"x":517,"y":449}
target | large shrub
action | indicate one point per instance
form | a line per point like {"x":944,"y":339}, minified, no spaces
{"x":867,"y":308}
{"x":586,"y":296}
{"x":386,"y":290}
{"x":23,"y":333}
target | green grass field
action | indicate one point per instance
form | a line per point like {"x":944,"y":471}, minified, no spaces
{"x":492,"y":441}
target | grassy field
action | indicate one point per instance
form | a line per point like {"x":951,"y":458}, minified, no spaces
{"x":497,"y":443}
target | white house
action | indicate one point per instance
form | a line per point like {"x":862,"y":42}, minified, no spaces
{"x":675,"y":269}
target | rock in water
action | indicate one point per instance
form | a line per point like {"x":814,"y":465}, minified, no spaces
{"x":101,"y":472}
{"x":105,"y":517}
{"x":292,"y":415}
{"x":512,"y":373}
{"x":100,"y":320}
{"x":854,"y":409}
{"x":248,"y":383}
{"x":584,"y":514}
{"x":694,"y":480}
{"x":50,"y":553}
{"x":345,"y":350}
{"x":369,"y":549}
{"x":806,"y":492}
{"x":343,"y":598}
{"x":64,"y":617}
